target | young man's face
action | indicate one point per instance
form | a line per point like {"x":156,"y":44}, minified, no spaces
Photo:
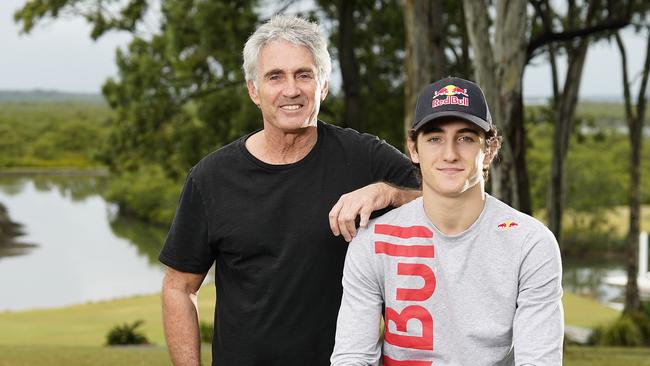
{"x":288,"y":91}
{"x":451,"y":156}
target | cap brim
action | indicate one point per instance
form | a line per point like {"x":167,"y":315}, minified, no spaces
{"x":462,"y":115}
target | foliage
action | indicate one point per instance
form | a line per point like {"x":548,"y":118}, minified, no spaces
{"x":146,"y":193}
{"x":51,"y":134}
{"x":631,"y":330}
{"x":126,"y":334}
{"x":207,"y":331}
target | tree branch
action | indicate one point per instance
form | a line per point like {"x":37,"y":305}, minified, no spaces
{"x":546,"y":37}
{"x":626,"y":80}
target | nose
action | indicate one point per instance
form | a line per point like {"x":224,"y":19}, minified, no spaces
{"x":291,"y":89}
{"x":451,"y":151}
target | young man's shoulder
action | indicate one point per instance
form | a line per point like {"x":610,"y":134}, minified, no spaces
{"x":393,"y":222}
{"x":507,"y":219}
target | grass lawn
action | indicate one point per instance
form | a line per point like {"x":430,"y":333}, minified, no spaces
{"x":86,"y":355}
{"x":88,"y":324}
{"x":75,"y":335}
{"x":606,"y":356}
{"x":584,"y":312}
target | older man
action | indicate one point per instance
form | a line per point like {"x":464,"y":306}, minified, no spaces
{"x":259,"y":207}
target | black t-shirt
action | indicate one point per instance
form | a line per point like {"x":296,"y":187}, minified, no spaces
{"x":278,"y":265}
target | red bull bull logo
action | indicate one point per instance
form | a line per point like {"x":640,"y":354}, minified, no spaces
{"x":452,"y":94}
{"x":507,"y":224}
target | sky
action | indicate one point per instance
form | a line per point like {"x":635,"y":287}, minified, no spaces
{"x":60,"y":55}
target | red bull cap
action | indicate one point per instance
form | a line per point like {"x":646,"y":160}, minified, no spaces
{"x":452,"y":97}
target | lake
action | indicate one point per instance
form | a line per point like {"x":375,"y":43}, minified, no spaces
{"x":86,"y":252}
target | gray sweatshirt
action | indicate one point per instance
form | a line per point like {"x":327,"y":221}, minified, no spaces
{"x":490,"y":295}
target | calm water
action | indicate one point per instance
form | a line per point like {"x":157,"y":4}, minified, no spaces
{"x":84,"y":253}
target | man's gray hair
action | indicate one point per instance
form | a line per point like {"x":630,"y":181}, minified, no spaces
{"x":295,"y":30}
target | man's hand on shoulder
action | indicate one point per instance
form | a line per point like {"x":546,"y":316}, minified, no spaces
{"x":363,"y":202}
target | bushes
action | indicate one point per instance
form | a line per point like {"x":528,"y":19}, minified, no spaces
{"x":631,"y":330}
{"x":126,"y":334}
{"x":206,"y":329}
{"x":146,"y":193}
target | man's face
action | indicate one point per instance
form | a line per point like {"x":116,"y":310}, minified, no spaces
{"x":288,"y":90}
{"x":451,"y":157}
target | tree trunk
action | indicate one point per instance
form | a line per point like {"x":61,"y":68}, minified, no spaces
{"x":423,"y":44}
{"x":564,"y":113}
{"x":502,"y":83}
{"x":349,"y":66}
{"x":635,"y":124}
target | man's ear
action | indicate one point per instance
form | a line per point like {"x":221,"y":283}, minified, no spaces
{"x":413,"y":150}
{"x":252,"y":92}
{"x":491,"y":152}
{"x":324,"y":90}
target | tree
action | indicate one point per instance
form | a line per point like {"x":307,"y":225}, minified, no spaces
{"x":180,"y":92}
{"x":374,"y":47}
{"x":635,"y":120}
{"x":579,"y":27}
{"x":432,"y":28}
{"x":499,"y":64}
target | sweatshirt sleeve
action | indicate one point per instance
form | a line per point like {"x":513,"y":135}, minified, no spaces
{"x":539,"y":317}
{"x":358,"y":325}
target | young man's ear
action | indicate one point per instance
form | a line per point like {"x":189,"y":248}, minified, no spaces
{"x":413,"y":150}
{"x":491,"y":151}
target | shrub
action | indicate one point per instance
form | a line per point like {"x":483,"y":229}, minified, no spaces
{"x":206,"y":329}
{"x":147,"y":194}
{"x":126,"y":334}
{"x":629,"y":330}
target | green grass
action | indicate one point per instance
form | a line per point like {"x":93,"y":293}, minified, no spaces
{"x":606,"y":356}
{"x":75,"y":335}
{"x":584,"y":312}
{"x":88,"y":324}
{"x":85,"y":355}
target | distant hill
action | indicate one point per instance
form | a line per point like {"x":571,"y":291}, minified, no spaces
{"x":48,"y":96}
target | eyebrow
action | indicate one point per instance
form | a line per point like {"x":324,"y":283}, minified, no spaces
{"x":280,"y":71}
{"x":462,"y":130}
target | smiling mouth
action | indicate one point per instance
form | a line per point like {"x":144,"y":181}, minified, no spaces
{"x":291,"y":107}
{"x":450,"y":170}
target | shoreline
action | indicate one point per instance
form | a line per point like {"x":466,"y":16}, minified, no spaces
{"x":69,"y":172}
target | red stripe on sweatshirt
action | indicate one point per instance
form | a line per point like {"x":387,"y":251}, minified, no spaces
{"x":405,"y":232}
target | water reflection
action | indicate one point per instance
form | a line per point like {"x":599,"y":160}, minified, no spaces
{"x":10,"y":244}
{"x":146,"y":237}
{"x":82,"y":255}
{"x":585,"y":278}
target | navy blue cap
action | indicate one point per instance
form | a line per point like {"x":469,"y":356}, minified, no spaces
{"x":452,"y":97}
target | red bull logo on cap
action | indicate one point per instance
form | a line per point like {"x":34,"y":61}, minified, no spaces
{"x":452,"y":94}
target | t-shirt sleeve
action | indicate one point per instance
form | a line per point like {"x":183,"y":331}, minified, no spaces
{"x":539,"y":318}
{"x":187,"y":246}
{"x":392,"y":166}
{"x":358,"y":325}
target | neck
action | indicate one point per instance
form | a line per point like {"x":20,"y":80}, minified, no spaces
{"x":280,"y":147}
{"x":453,"y":215}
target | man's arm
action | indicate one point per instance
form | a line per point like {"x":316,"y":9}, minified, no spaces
{"x":180,"y":316}
{"x":358,"y":324}
{"x":363,"y":202}
{"x":539,"y":319}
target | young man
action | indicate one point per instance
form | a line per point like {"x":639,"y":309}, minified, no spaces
{"x":259,"y":208}
{"x":460,"y":277}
